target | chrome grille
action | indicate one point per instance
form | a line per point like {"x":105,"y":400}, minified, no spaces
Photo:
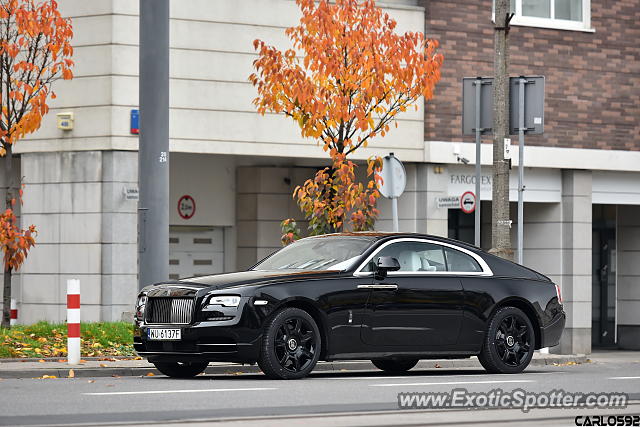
{"x":169,"y":310}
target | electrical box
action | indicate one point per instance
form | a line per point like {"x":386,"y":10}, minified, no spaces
{"x":65,"y":120}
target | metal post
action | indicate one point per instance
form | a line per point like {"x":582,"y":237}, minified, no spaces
{"x":73,"y":321}
{"x":478,"y":84}
{"x":394,"y":212}
{"x":153,"y":157}
{"x":522,"y":82}
{"x":394,"y":203}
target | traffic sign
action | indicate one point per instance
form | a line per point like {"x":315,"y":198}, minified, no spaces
{"x":394,"y":177}
{"x":468,"y":202}
{"x":186,"y":207}
{"x":533,"y":108}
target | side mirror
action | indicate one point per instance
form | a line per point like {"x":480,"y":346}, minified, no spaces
{"x":384,"y":265}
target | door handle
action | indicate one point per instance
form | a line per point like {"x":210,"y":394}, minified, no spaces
{"x":390,"y":286}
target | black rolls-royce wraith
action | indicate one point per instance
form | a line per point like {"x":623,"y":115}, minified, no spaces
{"x":393,"y":298}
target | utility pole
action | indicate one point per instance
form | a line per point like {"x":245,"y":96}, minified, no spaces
{"x":500,"y":223}
{"x":153,"y":154}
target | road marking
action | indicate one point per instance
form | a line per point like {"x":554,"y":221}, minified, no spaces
{"x":453,"y":383}
{"x":346,"y":377}
{"x":624,"y":378}
{"x":115,"y":393}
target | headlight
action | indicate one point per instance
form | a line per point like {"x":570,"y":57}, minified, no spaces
{"x":142,"y":300}
{"x":224,"y":300}
{"x":140,"y":304}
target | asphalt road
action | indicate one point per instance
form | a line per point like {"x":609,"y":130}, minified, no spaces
{"x":349,"y":398}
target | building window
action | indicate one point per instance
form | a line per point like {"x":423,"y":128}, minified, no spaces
{"x":560,"y":14}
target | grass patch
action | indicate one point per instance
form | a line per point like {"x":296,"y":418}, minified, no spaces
{"x":44,"y":339}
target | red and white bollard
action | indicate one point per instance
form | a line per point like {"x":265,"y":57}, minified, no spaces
{"x":13,"y":318}
{"x":73,"y":321}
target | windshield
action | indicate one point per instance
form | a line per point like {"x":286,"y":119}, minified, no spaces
{"x":317,"y":253}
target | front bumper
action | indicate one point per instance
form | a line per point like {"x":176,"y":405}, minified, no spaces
{"x":233,"y":338}
{"x":553,"y":331}
{"x":202,"y":341}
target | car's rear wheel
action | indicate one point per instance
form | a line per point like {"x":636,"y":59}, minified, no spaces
{"x":181,"y":369}
{"x":509,"y":343}
{"x":290,"y":345}
{"x":394,"y":365}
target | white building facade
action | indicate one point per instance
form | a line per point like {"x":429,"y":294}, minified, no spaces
{"x":237,"y":170}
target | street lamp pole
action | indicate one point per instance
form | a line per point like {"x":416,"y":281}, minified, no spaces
{"x":153,"y":155}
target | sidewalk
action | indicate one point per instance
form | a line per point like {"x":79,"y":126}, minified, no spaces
{"x":31,"y":368}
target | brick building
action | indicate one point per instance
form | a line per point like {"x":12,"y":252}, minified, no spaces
{"x":581,"y":215}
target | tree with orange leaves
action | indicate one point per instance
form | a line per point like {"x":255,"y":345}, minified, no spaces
{"x":347,"y":77}
{"x":35,"y":51}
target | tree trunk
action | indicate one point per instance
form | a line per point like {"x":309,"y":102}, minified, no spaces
{"x":6,"y":299}
{"x":500,"y":224}
{"x":6,"y":295}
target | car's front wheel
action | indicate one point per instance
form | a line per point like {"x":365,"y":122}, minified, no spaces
{"x":509,"y":343}
{"x":181,"y":369}
{"x":394,"y":365}
{"x":290,"y":345}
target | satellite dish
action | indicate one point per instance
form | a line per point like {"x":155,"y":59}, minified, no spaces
{"x":394,"y":177}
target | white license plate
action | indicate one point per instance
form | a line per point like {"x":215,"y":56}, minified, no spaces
{"x":164,"y":334}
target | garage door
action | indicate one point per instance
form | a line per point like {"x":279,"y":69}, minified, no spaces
{"x":195,"y":251}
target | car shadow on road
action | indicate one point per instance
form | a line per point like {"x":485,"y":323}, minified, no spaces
{"x":239,"y":375}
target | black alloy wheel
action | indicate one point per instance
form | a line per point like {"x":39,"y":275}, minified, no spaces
{"x":181,"y":369}
{"x":509,"y":343}
{"x":395,"y":365}
{"x":290,"y":346}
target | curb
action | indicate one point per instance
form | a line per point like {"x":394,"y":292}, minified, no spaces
{"x":354,"y":366}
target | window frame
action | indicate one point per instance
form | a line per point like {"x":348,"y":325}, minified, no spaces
{"x":486,"y":271}
{"x":552,"y":22}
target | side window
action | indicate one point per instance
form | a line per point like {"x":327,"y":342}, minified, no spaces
{"x":413,"y":256}
{"x":461,"y":262}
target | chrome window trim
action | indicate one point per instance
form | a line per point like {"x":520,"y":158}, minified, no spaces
{"x":486,"y":270}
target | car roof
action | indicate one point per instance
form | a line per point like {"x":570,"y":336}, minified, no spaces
{"x":380,"y":235}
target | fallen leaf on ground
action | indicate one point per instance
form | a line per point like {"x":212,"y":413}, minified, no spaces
{"x":102,"y":365}
{"x":91,"y":381}
{"x":41,"y":360}
{"x":83,"y":361}
{"x":437,"y":366}
{"x":137,"y":358}
{"x":71,"y":374}
{"x":44,"y":377}
{"x":150,"y":374}
{"x":61,"y":360}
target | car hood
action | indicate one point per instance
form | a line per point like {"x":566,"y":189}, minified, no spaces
{"x":192,"y":285}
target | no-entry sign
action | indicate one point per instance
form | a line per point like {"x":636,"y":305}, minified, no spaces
{"x":186,"y":207}
{"x":468,"y":202}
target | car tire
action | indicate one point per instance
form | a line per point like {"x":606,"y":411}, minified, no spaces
{"x":181,"y":369}
{"x":395,"y":365}
{"x":509,"y":342}
{"x":290,"y":346}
